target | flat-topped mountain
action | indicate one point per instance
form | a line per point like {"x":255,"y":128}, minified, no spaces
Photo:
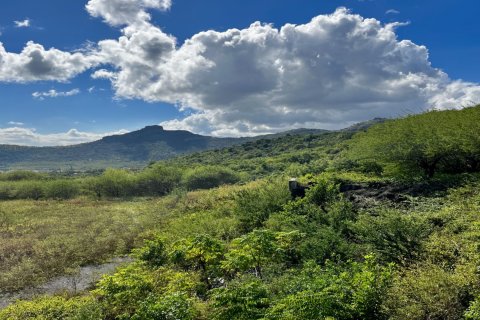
{"x":133,"y":149}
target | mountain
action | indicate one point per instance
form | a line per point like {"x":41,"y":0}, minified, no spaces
{"x":133,"y":150}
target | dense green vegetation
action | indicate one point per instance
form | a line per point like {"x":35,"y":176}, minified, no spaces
{"x":380,"y":234}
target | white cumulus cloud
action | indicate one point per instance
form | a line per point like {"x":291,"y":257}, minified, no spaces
{"x":30,"y":137}
{"x":36,"y":63}
{"x":125,"y":12}
{"x":332,"y":71}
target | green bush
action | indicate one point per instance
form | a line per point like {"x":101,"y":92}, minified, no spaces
{"x":247,"y":299}
{"x":174,"y":306}
{"x":6,"y":191}
{"x":29,"y":190}
{"x":395,"y":236}
{"x":207,"y":177}
{"x":428,"y":292}
{"x":158,"y":180}
{"x":353,"y":291}
{"x":153,"y":252}
{"x":19,"y":175}
{"x":254,"y":206}
{"x":54,"y":308}
{"x":427,"y":143}
{"x":125,"y":291}
{"x":473,"y":312}
{"x":115,"y":183}
{"x":61,"y":189}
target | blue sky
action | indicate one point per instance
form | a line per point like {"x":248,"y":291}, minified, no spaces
{"x":36,"y":107}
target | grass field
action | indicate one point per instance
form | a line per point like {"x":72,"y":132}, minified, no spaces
{"x":42,"y":239}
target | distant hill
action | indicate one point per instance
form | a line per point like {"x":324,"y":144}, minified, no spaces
{"x":132,"y":150}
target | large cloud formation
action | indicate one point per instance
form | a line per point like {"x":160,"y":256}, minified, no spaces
{"x":335,"y":70}
{"x":36,"y":63}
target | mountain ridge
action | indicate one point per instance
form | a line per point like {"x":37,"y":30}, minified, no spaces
{"x":132,"y":149}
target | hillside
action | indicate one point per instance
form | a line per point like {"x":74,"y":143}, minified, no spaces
{"x":388,"y":229}
{"x":134,"y":150}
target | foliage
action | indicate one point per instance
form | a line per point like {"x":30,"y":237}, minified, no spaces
{"x":207,"y":177}
{"x":361,"y":244}
{"x":175,"y":306}
{"x":153,"y":252}
{"x":125,"y":291}
{"x":61,"y":189}
{"x":473,"y":312}
{"x":158,"y":180}
{"x":54,"y":308}
{"x":354,"y":291}
{"x":254,"y":206}
{"x":247,"y":299}
{"x":395,"y":236}
{"x":202,"y":253}
{"x":428,"y":292}
{"x":428,"y":143}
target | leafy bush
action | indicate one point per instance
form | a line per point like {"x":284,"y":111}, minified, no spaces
{"x":202,"y":253}
{"x":353,"y":291}
{"x":153,"y":252}
{"x":473,"y":312}
{"x":54,"y":308}
{"x":253,"y":206}
{"x":175,"y":306}
{"x":19,"y":175}
{"x":61,"y":189}
{"x":125,"y":291}
{"x":427,"y":143}
{"x":428,"y":292}
{"x":246,"y":299}
{"x":157,"y":180}
{"x":115,"y":183}
{"x":29,"y":190}
{"x":207,"y":177}
{"x":395,"y":236}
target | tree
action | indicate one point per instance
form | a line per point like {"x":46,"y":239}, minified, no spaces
{"x":430,"y":142}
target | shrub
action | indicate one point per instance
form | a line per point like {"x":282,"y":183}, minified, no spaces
{"x":395,"y":236}
{"x":352,"y":291}
{"x":19,"y":175}
{"x":125,"y":291}
{"x":157,"y":180}
{"x":153,"y":252}
{"x":426,"y":143}
{"x":174,"y":306}
{"x":29,"y":190}
{"x":427,"y":292}
{"x":254,"y":206}
{"x":207,"y":177}
{"x":61,"y":189}
{"x":115,"y":183}
{"x":473,"y":312}
{"x":54,"y":308}
{"x":241,"y":300}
